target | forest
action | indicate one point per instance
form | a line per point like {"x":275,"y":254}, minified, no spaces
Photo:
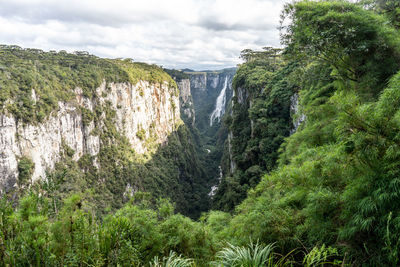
{"x":326,"y":194}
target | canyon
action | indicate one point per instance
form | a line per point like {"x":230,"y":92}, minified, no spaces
{"x":143,"y":108}
{"x":148,"y":121}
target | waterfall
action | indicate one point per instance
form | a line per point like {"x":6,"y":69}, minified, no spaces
{"x":220,"y":104}
{"x":214,"y":188}
{"x":294,"y":111}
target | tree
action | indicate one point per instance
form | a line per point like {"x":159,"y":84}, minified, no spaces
{"x":362,"y":48}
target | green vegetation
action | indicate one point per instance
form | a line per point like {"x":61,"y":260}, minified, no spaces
{"x":25,"y":170}
{"x":165,"y":172}
{"x":259,"y":121}
{"x":334,"y":181}
{"x":325,"y":195}
{"x":141,"y":134}
{"x":210,"y":139}
{"x":172,"y":261}
{"x":54,"y":76}
{"x":139,"y":234}
{"x":336,"y":176}
{"x":105,"y":178}
{"x":254,"y":255}
{"x":177,"y":74}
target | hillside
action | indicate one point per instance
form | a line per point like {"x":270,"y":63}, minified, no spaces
{"x":308,"y":147}
{"x":75,"y":123}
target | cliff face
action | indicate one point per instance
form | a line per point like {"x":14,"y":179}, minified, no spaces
{"x":141,"y":111}
{"x":212,"y":92}
{"x":261,"y":117}
{"x":186,"y":102}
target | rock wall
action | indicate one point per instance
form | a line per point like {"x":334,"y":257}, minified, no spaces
{"x":205,"y":88}
{"x":141,"y":110}
{"x":199,"y":81}
{"x":186,"y":102}
{"x":242,"y":95}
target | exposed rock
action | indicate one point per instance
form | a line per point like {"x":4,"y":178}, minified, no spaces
{"x":187,"y":107}
{"x":214,"y":188}
{"x":150,"y":108}
{"x":242,"y":95}
{"x":199,"y":81}
{"x":212,"y":92}
{"x":129,"y":191}
{"x":231,"y":160}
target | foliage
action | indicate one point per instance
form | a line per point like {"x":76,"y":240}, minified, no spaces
{"x":172,"y":260}
{"x":141,"y":134}
{"x":177,"y":74}
{"x":25,"y":170}
{"x":263,"y":101}
{"x":33,"y":81}
{"x":360,"y":46}
{"x":389,"y":8}
{"x":337,"y":175}
{"x":253,"y":255}
{"x":209,"y":140}
{"x":328,"y":192}
{"x":75,"y":237}
{"x":336,"y":178}
{"x":269,"y":55}
{"x":165,"y":172}
{"x":319,"y":256}
{"x":139,"y":234}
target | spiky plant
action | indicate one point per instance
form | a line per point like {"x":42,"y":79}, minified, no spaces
{"x":254,"y":255}
{"x":173,"y":260}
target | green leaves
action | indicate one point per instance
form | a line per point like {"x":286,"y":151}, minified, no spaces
{"x":54,"y":77}
{"x":359,"y":45}
{"x":173,"y":260}
{"x":253,"y":256}
{"x":25,"y":171}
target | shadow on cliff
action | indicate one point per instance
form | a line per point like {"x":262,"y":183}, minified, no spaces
{"x":175,"y":171}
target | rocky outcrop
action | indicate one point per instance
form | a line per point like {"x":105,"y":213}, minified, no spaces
{"x":141,"y":110}
{"x":242,"y":95}
{"x":212,"y":92}
{"x":186,"y":102}
{"x":199,"y":81}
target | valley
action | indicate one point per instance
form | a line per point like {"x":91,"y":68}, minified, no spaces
{"x":291,"y":158}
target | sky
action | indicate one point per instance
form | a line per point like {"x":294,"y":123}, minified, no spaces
{"x":196,"y":34}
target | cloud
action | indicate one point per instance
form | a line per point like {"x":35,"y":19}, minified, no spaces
{"x":207,"y":34}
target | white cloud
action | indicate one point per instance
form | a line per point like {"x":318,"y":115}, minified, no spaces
{"x":202,"y":34}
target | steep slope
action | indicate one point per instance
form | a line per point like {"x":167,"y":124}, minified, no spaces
{"x":212,"y":92}
{"x":139,"y":116}
{"x":78,"y":123}
{"x":205,"y":97}
{"x":335,"y":179}
{"x":329,"y":195}
{"x":259,"y":121}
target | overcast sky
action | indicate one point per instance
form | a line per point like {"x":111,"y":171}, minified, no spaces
{"x":197,"y":34}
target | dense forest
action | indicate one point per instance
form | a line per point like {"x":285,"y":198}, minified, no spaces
{"x":164,"y":170}
{"x":326,"y":192}
{"x":55,"y":75}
